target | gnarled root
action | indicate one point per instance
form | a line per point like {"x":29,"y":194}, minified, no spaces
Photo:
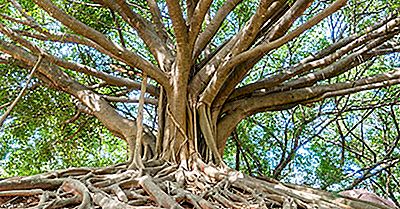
{"x":162,"y":186}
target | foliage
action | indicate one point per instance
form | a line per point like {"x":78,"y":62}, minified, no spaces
{"x":338,"y":143}
{"x":38,"y":137}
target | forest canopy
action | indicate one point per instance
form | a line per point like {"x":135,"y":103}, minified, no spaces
{"x":303,"y":92}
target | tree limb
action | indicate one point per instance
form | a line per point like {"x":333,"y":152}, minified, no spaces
{"x":205,"y":37}
{"x":117,"y":124}
{"x":268,"y":46}
{"x":14,"y":103}
{"x":122,"y":53}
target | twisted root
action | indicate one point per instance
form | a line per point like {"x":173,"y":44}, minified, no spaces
{"x":161,"y":185}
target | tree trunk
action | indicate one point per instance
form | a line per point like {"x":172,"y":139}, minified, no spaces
{"x":199,"y":101}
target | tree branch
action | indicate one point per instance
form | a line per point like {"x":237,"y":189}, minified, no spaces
{"x":129,"y":100}
{"x":225,"y":52}
{"x":117,"y":124}
{"x":110,"y":79}
{"x":268,"y":46}
{"x":122,"y":53}
{"x":373,"y":38}
{"x":204,"y":38}
{"x":197,"y":19}
{"x":312,"y":94}
{"x":157,"y":19}
{"x":233,"y":112}
{"x":145,"y":30}
{"x":21,"y":93}
{"x":178,"y":23}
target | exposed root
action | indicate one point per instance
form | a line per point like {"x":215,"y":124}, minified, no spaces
{"x":161,"y":185}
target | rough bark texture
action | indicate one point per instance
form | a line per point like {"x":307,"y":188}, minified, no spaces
{"x":198,"y":101}
{"x":161,"y":185}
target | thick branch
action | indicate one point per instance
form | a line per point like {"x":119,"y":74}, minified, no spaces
{"x":243,"y":40}
{"x":205,"y":37}
{"x":122,"y":53}
{"x":235,"y":111}
{"x":197,"y":19}
{"x":117,"y":124}
{"x":109,"y":79}
{"x":157,"y":19}
{"x":145,"y":30}
{"x":129,"y":100}
{"x":240,"y":71}
{"x":268,"y":46}
{"x":375,"y":38}
{"x":178,"y":23}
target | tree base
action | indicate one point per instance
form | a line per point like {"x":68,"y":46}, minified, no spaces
{"x":162,"y":185}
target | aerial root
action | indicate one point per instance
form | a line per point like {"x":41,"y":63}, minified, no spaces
{"x":162,"y":186}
